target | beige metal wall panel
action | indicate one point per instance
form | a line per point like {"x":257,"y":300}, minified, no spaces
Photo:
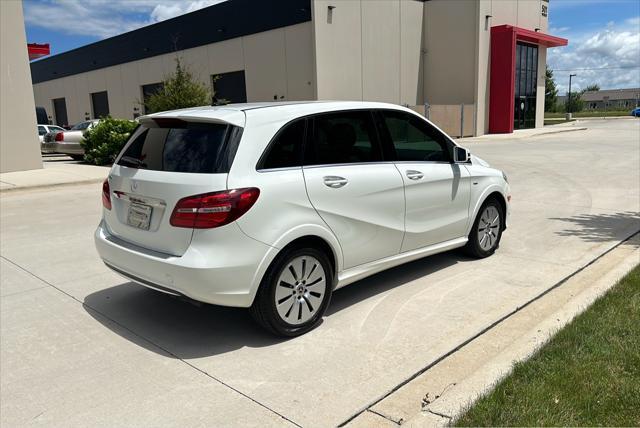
{"x":299,"y":54}
{"x":131,"y":90}
{"x":542,"y":61}
{"x":225,"y":56}
{"x":117,"y":104}
{"x":411,"y":46}
{"x":265,"y":66}
{"x":380,"y":50}
{"x":80,"y":99}
{"x":450,"y":43}
{"x":19,"y":147}
{"x":450,"y":118}
{"x":504,"y":12}
{"x":338,"y":49}
{"x":529,"y":15}
{"x":483,"y":63}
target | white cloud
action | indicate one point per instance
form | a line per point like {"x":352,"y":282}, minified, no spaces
{"x":609,"y":57}
{"x":105,"y":18}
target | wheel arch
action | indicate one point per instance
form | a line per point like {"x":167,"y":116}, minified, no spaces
{"x":491,"y":192}
{"x":311,"y":235}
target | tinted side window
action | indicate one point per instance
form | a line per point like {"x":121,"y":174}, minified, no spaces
{"x":343,"y":137}
{"x":414,"y":140}
{"x":286,"y":148}
{"x":41,"y":130}
{"x":193,"y":147}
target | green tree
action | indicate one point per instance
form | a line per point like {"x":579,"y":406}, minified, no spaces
{"x":180,"y":90}
{"x":104,"y":141}
{"x":592,"y":87}
{"x":574,"y":103}
{"x":550,"y":91}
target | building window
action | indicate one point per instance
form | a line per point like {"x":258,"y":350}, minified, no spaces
{"x":100,"y":104}
{"x":60,"y":112}
{"x":147,"y":91}
{"x":229,"y":87}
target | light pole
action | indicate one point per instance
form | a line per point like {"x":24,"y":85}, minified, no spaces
{"x":569,"y":96}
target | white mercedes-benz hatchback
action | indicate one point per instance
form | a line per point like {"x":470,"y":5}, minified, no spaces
{"x":273,"y":206}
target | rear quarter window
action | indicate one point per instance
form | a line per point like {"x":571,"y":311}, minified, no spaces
{"x":189,"y":147}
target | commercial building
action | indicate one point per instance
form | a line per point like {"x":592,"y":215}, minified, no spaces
{"x":473,"y":63}
{"x":19,"y":146}
{"x":611,"y":99}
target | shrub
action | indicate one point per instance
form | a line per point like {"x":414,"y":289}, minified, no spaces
{"x":103,"y":142}
{"x":179,"y":90}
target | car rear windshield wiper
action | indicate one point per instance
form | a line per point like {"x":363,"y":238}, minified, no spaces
{"x":131,"y":161}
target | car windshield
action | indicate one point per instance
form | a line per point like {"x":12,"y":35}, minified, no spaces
{"x":81,"y":126}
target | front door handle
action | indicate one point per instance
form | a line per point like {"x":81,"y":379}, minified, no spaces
{"x":334,"y":181}
{"x":414,"y":175}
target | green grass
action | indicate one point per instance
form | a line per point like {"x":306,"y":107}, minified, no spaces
{"x":586,"y":375}
{"x":549,"y":115}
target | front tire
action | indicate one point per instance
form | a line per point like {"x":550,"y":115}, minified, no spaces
{"x":295,"y":292}
{"x":485,"y":235}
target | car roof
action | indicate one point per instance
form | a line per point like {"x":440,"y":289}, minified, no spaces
{"x":286,"y":110}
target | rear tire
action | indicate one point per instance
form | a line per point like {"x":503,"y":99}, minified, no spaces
{"x":295,"y":292}
{"x":485,"y":235}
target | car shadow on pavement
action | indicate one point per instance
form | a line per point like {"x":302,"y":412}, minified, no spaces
{"x":173,"y":327}
{"x":600,"y":227}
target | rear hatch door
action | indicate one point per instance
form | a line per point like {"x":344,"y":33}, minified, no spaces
{"x":167,"y":159}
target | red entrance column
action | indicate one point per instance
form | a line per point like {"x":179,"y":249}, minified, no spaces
{"x":503,"y":65}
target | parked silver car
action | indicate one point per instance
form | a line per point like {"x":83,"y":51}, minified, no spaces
{"x":68,"y":142}
{"x":42,"y":131}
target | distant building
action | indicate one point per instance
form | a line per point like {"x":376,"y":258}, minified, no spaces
{"x":611,"y":99}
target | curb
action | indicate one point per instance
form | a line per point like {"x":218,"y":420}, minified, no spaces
{"x":51,"y":185}
{"x":513,"y":136}
{"x":559,"y":131}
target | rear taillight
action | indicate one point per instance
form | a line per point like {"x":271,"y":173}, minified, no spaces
{"x":59,"y":136}
{"x":106,"y":195}
{"x":213,"y":209}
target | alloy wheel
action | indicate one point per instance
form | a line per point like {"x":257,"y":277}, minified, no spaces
{"x":488,"y":228}
{"x":300,"y":290}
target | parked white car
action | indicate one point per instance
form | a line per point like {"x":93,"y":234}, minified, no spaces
{"x":44,"y":129}
{"x":273,"y":206}
{"x":68,"y":142}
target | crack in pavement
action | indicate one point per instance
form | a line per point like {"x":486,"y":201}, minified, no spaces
{"x":442,"y":415}
{"x":389,"y":418}
{"x":168,"y":352}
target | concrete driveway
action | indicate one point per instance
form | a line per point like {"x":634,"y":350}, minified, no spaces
{"x":81,"y":346}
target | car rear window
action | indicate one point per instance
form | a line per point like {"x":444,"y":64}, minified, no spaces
{"x":181,"y":147}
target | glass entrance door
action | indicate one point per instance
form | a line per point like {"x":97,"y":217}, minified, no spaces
{"x":524,"y":115}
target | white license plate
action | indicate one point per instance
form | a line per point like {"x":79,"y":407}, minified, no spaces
{"x":139,"y":216}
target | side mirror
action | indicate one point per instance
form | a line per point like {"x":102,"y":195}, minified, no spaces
{"x":461,"y":155}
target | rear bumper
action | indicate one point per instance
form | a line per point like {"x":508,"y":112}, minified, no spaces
{"x":226,"y":274}
{"x":48,"y":147}
{"x":69,"y":148}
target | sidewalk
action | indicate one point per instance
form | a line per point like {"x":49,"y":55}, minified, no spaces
{"x":52,"y":174}
{"x":526,"y":133}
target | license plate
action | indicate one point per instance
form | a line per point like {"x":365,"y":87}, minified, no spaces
{"x":139,"y":216}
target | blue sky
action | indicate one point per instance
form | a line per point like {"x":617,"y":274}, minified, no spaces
{"x":603,"y":34}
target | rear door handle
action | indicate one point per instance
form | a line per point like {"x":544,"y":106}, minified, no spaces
{"x":334,"y":181}
{"x":414,"y":175}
